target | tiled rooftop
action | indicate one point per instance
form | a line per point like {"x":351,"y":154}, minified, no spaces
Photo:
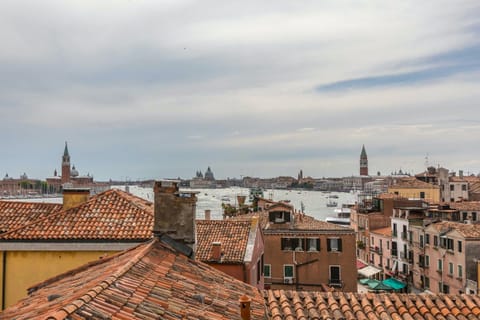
{"x":466,"y":205}
{"x":369,"y":306}
{"x":387,"y":231}
{"x":232,"y":234}
{"x":304,"y":222}
{"x":466,"y":230}
{"x":151,"y":281}
{"x":413,"y":182}
{"x":111,"y":215}
{"x":14,"y":214}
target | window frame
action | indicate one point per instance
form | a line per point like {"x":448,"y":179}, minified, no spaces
{"x":269,"y":267}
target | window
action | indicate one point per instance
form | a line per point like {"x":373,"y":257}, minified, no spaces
{"x":435,"y":241}
{"x":313,"y":244}
{"x":450,"y":268}
{"x":267,"y":270}
{"x":452,"y":187}
{"x":422,"y":195}
{"x":439,"y":265}
{"x":259,"y":270}
{"x":279,"y":216}
{"x":452,"y":199}
{"x":421,"y":241}
{"x":421,"y":260}
{"x":427,"y":261}
{"x":427,"y":283}
{"x":474,"y":216}
{"x":388,"y":263}
{"x":334,"y":276}
{"x":388,"y":245}
{"x":288,"y":271}
{"x":460,"y":271}
{"x":296,"y":244}
{"x":334,"y":244}
{"x":286,"y":243}
{"x":372,"y":241}
{"x":459,"y":246}
{"x":427,"y":238}
{"x":464,"y":187}
{"x":394,"y":233}
{"x":464,"y":215}
{"x":450,"y":244}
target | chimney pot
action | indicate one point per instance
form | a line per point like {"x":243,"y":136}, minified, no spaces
{"x":245,"y":307}
{"x":73,"y":197}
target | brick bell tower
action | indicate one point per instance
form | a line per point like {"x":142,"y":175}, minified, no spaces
{"x":363,"y":162}
{"x":65,"y":165}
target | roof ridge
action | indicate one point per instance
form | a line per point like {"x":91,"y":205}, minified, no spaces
{"x":76,"y":304}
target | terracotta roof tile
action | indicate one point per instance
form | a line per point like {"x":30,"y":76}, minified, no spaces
{"x":413,"y":182}
{"x":111,"y":215}
{"x":232,"y":234}
{"x":15,"y":214}
{"x":150,"y":281}
{"x":466,"y":205}
{"x":466,"y":230}
{"x":370,"y":306}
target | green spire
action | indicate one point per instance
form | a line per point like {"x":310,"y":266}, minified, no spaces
{"x":65,"y":152}
{"x":364,"y":153}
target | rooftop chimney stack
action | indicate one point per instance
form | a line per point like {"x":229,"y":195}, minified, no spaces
{"x":245,"y":307}
{"x":216,"y":251}
{"x":73,"y":197}
{"x":460,"y":174}
{"x":174,"y":212}
{"x":208,"y":214}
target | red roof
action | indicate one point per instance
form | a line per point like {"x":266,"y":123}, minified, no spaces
{"x":232,"y":234}
{"x":14,"y":214}
{"x":150,"y":281}
{"x":110,"y":215}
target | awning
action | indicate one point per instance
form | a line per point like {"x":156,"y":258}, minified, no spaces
{"x":360,"y":264}
{"x":394,"y":283}
{"x":369,"y":271}
{"x":379,"y":286}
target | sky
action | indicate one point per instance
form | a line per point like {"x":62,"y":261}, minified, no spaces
{"x":161,"y":89}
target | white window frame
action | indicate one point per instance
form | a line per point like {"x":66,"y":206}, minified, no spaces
{"x":269,"y":266}
{"x":314,"y":247}
{"x":460,"y":271}
{"x":339,"y":272}
{"x":293,"y":271}
{"x":333,"y":248}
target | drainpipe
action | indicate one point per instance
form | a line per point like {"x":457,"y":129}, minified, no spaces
{"x":4,"y":277}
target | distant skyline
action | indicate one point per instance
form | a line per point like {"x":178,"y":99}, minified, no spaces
{"x":156,"y":89}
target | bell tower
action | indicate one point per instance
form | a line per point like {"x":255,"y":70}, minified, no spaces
{"x":363,"y":162}
{"x":65,"y":165}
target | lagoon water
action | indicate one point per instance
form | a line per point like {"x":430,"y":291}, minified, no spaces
{"x":314,"y":202}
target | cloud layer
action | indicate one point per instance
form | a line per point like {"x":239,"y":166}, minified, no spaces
{"x":163,"y":88}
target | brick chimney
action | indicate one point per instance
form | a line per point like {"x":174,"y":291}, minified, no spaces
{"x":216,"y":254}
{"x":73,"y":197}
{"x":174,"y":212}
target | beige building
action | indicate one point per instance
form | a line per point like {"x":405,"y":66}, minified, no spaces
{"x":413,"y":188}
{"x":380,"y":245}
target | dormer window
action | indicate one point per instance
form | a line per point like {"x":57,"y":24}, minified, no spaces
{"x":279,"y":216}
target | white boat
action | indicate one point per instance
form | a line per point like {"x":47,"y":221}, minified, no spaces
{"x":332,"y":203}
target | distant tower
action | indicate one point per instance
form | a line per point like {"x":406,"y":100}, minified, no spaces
{"x":363,"y":162}
{"x":65,"y":165}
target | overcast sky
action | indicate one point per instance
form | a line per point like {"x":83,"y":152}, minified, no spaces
{"x":156,"y":89}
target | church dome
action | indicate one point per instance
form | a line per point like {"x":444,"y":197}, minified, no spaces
{"x":73,"y":172}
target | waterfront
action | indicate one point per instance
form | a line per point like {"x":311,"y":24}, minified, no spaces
{"x":314,"y":202}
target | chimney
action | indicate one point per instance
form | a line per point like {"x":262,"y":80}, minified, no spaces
{"x":174,"y":212}
{"x":241,"y":200}
{"x":460,"y":174}
{"x":216,"y":254}
{"x":207,"y":214}
{"x":245,"y":307}
{"x":73,"y":197}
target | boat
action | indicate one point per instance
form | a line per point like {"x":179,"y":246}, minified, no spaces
{"x":225,"y":199}
{"x":342,"y":215}
{"x":332,"y":203}
{"x":333,"y":196}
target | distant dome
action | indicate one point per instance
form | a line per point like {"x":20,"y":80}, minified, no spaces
{"x":209,"y":174}
{"x":24,"y":176}
{"x":73,"y":172}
